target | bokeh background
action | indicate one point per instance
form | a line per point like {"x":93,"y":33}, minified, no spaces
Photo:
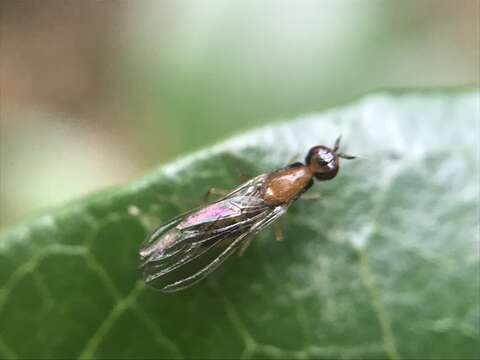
{"x":96,"y":93}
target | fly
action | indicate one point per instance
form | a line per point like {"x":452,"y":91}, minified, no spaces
{"x":185,"y":250}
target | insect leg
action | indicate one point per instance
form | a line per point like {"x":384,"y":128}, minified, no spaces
{"x":243,"y":177}
{"x":277,"y":229}
{"x":294,"y":158}
{"x":311,"y":196}
{"x":214,"y":191}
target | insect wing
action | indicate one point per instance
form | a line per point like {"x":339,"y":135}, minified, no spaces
{"x":167,"y":237}
{"x":191,"y":246}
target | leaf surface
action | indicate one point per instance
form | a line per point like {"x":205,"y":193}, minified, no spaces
{"x":384,"y":265}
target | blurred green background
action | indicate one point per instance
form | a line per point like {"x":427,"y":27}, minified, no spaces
{"x":95,"y":93}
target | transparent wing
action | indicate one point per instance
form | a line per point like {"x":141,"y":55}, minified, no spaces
{"x":191,"y":246}
{"x":269,"y":217}
{"x":199,"y":243}
{"x":235,"y":211}
{"x":175,"y":274}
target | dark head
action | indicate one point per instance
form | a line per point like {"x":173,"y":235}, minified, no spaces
{"x":324,"y":161}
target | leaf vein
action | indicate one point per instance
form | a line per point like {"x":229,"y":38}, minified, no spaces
{"x":123,"y":305}
{"x":29,"y":266}
{"x":157,"y":333}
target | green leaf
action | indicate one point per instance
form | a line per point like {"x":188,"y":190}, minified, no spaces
{"x":384,"y":265}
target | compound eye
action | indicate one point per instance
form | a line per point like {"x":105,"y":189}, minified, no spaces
{"x":315,"y":155}
{"x":325,"y":158}
{"x":326,"y":173}
{"x":322,"y":161}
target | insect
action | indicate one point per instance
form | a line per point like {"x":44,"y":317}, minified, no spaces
{"x":188,"y":248}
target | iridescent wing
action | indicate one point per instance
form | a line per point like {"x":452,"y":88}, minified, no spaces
{"x":191,"y":246}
